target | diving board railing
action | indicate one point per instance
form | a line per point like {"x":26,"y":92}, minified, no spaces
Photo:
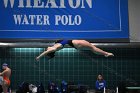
{"x":46,"y":44}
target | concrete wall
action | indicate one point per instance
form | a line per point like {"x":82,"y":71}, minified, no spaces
{"x":134,"y":20}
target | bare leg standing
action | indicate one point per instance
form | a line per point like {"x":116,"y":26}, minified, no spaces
{"x":5,"y":87}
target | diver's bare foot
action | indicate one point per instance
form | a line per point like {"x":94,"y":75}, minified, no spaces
{"x":109,"y":55}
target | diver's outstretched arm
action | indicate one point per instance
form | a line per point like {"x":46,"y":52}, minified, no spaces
{"x":49,"y":50}
{"x":54,"y":48}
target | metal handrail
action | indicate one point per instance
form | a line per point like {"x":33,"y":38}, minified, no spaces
{"x":44,"y":44}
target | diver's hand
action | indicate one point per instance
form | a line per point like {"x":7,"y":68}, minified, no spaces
{"x":37,"y":58}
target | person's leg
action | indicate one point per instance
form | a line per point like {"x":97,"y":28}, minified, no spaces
{"x":85,"y":44}
{"x":5,"y":87}
{"x":100,"y":51}
{"x":54,"y":48}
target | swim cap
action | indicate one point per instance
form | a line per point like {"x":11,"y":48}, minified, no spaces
{"x":4,"y":64}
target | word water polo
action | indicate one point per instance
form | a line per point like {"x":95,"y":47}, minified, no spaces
{"x":31,"y":17}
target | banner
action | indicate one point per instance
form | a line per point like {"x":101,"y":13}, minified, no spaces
{"x":69,"y":19}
